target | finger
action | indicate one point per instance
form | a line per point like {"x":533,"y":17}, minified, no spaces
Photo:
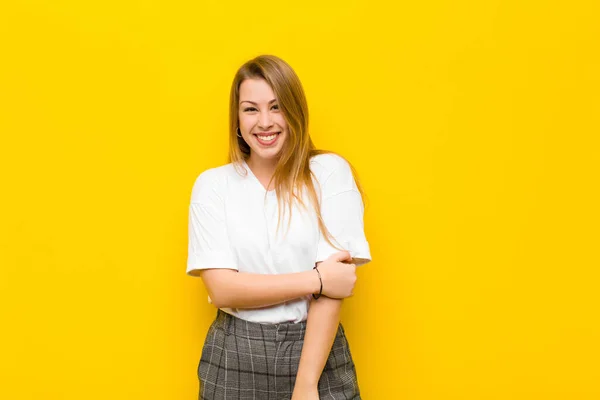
{"x":342,"y":255}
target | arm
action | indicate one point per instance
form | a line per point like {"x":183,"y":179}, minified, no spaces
{"x":230,"y":288}
{"x":321,"y":328}
{"x":342,"y":210}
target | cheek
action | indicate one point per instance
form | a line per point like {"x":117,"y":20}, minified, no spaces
{"x":281,"y":122}
{"x":245,"y":122}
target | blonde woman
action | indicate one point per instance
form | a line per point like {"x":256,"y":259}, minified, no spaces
{"x":276,"y":235}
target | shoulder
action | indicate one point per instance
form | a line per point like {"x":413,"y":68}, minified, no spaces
{"x":215,"y":174}
{"x":333,"y":174}
{"x":325,"y":164}
{"x":210,"y":183}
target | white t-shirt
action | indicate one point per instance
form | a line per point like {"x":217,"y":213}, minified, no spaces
{"x":233,"y":225}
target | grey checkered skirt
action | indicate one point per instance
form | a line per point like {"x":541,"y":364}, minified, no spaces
{"x":249,"y":360}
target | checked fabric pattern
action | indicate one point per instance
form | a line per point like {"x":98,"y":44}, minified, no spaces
{"x":247,"y":360}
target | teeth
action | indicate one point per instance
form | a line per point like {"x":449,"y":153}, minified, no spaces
{"x":267,"y":138}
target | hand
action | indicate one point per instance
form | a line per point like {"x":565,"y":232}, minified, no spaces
{"x":338,"y":277}
{"x":305,"y":392}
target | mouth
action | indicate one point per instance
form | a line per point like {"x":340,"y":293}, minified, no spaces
{"x":267,"y":138}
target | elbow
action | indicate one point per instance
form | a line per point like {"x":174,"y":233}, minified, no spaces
{"x":219,"y":301}
{"x":218,"y":296}
{"x":218,"y":283}
{"x":224,"y":298}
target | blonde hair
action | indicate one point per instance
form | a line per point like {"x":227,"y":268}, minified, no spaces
{"x":292,"y":174}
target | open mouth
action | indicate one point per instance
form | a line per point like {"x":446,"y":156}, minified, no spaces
{"x":267,"y":140}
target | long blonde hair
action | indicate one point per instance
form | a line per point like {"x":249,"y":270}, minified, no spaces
{"x":292,"y":174}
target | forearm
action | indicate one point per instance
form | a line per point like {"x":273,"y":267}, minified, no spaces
{"x":248,"y":290}
{"x":321,"y":328}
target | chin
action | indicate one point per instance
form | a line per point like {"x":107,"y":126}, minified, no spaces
{"x":268,"y":155}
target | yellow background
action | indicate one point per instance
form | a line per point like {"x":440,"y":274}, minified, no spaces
{"x":473,"y":125}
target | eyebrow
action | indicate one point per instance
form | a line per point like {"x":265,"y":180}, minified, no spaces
{"x":248,"y":101}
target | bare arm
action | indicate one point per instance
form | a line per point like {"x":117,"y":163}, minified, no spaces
{"x":230,"y":288}
{"x":321,"y":328}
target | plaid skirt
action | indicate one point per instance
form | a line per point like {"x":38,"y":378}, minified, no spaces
{"x":248,"y":360}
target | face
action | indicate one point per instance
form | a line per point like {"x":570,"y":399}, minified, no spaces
{"x":261,"y":121}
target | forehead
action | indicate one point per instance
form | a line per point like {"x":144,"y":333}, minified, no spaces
{"x":256,"y":90}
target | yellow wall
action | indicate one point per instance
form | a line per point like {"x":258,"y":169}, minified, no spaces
{"x":473,"y":125}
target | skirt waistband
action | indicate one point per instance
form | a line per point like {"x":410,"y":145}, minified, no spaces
{"x":285,"y":331}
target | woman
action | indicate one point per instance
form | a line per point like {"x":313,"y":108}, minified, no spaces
{"x":278,"y":291}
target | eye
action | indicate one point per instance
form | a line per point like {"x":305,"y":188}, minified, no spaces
{"x":275,"y":106}
{"x":250,"y":109}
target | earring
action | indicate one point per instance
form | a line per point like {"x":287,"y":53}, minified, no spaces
{"x":238,"y":132}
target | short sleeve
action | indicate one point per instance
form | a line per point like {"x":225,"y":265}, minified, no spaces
{"x":208,"y":241}
{"x":342,"y":210}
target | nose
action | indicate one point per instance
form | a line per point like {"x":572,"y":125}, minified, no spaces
{"x":264,"y":120}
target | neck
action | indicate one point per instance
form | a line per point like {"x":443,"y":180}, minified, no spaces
{"x":261,"y":167}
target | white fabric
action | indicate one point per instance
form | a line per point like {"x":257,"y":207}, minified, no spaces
{"x":233,"y":220}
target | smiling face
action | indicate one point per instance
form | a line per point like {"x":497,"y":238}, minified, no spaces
{"x":261,"y":121}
